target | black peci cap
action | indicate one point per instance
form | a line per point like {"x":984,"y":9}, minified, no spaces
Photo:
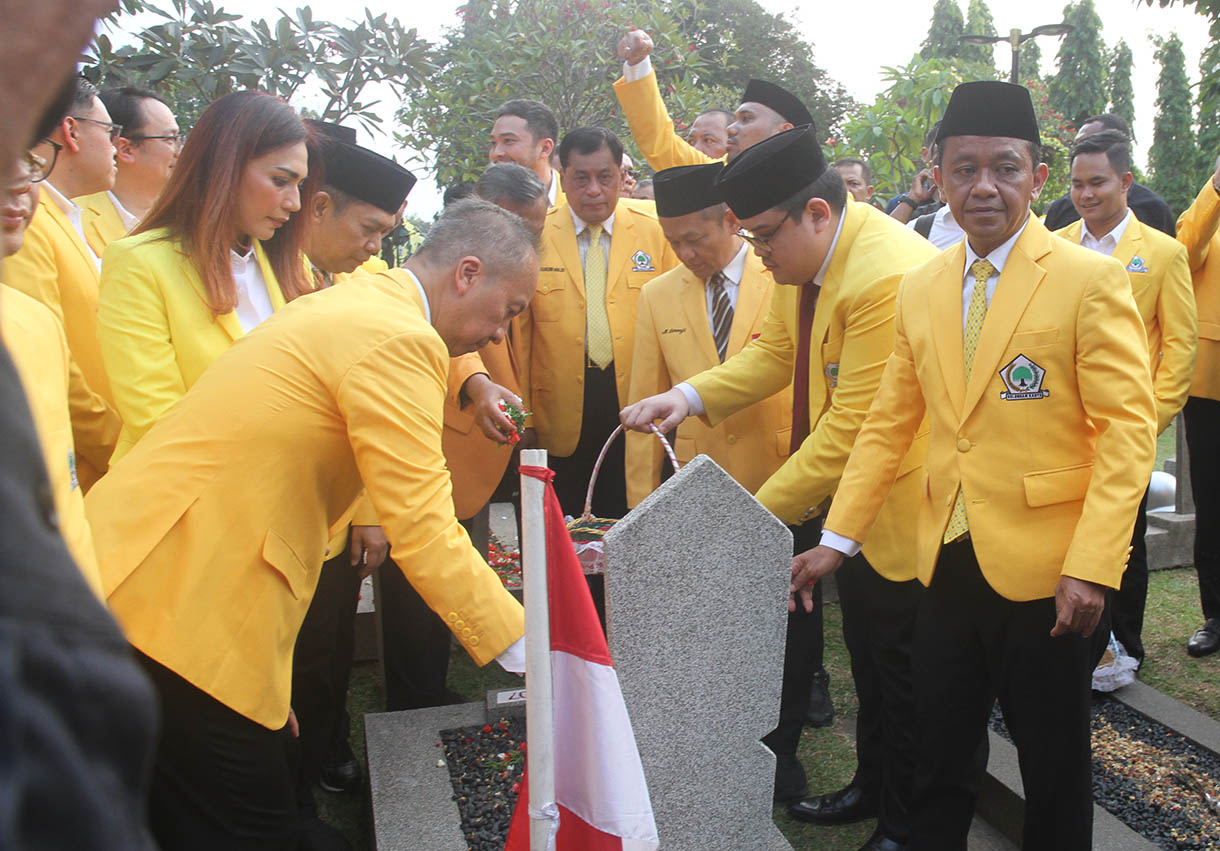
{"x":367,"y":176}
{"x":990,"y":108}
{"x":769,"y":173}
{"x":328,"y":132}
{"x":788,"y":105}
{"x":686,"y":189}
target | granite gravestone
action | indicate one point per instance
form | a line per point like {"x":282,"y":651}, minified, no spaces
{"x":696,"y":606}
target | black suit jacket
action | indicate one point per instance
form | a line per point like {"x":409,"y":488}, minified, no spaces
{"x":78,"y":718}
{"x":1148,"y":207}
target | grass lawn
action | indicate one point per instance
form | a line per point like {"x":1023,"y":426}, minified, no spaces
{"x":829,"y":754}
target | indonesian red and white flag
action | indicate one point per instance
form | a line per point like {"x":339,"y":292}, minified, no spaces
{"x":601,"y":796}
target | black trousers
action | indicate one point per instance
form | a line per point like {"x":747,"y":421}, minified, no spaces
{"x":598,"y":420}
{"x":1124,"y":613}
{"x":322,"y":668}
{"x":220,"y":780}
{"x":971,"y":647}
{"x":878,"y":625}
{"x":414,"y":645}
{"x":803,"y":646}
{"x":1202,"y":418}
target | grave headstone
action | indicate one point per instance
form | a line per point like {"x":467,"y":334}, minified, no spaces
{"x":696,"y":591}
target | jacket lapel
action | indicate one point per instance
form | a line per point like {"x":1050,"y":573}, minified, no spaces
{"x":60,"y":218}
{"x":751,"y":302}
{"x":853,"y":220}
{"x":1016,"y":286}
{"x":1131,"y":243}
{"x":564,"y":237}
{"x":227,"y":321}
{"x":621,"y":247}
{"x":694,"y":305}
{"x":945,"y":306}
{"x":273,"y":287}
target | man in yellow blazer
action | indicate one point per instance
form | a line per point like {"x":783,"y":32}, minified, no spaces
{"x":765,"y":109}
{"x":210,"y":532}
{"x":526,"y":132}
{"x":578,"y":335}
{"x":144,"y":158}
{"x":829,"y":332}
{"x":1159,"y":273}
{"x":1028,"y":356}
{"x":57,"y":267}
{"x":1197,"y":230}
{"x":694,"y":317}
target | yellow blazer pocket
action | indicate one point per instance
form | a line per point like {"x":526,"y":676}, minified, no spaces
{"x":1033,"y":339}
{"x":1209,"y":330}
{"x":831,"y":352}
{"x":783,"y":442}
{"x":280,"y":555}
{"x":547,"y":304}
{"x":457,"y":419}
{"x":685,"y":449}
{"x":1066,"y":484}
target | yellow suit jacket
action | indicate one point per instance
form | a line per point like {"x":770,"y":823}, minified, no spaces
{"x":1160,"y":282}
{"x":40,"y":353}
{"x":552,"y":329}
{"x":652,"y":128}
{"x":101,"y":221}
{"x":210,"y":532}
{"x":156,"y":330}
{"x":852,"y":336}
{"x":1198,"y":232}
{"x":673,"y":342}
{"x":1052,"y":441}
{"x":54,"y":267}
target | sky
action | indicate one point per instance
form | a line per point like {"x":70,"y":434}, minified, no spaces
{"x":888,"y":32}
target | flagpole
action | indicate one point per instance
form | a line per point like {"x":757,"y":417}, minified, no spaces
{"x":539,"y":721}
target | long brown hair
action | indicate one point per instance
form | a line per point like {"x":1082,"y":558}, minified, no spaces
{"x":199,"y":204}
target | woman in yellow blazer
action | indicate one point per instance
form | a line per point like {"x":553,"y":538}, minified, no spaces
{"x":218,"y":253}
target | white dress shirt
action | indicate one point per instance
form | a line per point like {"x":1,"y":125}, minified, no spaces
{"x":582,"y":240}
{"x":1107,"y":243}
{"x":945,"y":232}
{"x":513,"y":657}
{"x":253,"y":301}
{"x":998,"y":257}
{"x":693,"y":400}
{"x":553,"y":190}
{"x":129,"y":221}
{"x":73,"y":212}
{"x":733,"y":272}
{"x":638,"y":71}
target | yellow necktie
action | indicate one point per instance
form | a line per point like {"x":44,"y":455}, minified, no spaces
{"x":975,"y":314}
{"x":597,"y":334}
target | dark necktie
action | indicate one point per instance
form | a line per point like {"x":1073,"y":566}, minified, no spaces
{"x":800,"y":378}
{"x":722,"y":313}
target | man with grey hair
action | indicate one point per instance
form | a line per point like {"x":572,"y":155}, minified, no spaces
{"x":266,"y":453}
{"x":516,"y":189}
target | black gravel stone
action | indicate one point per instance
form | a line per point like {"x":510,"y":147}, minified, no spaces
{"x":1150,"y":777}
{"x":485,"y":766}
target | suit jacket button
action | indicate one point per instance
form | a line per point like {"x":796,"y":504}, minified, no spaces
{"x":732,"y":438}
{"x":964,"y":445}
{"x":474,"y":641}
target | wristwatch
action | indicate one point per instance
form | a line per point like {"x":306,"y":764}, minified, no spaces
{"x":906,"y":199}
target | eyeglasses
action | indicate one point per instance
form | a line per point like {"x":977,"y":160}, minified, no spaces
{"x":31,"y":168}
{"x":47,"y":167}
{"x":763,"y":242}
{"x":115,"y":130}
{"x":175,"y":139}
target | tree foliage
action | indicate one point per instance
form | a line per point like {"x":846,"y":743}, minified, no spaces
{"x":561,"y":52}
{"x":1209,"y":106}
{"x":1078,"y":89}
{"x":1031,"y":62}
{"x":947,"y":24}
{"x":200,"y":52}
{"x":1122,"y":93}
{"x":978,"y":22}
{"x":1173,"y":157}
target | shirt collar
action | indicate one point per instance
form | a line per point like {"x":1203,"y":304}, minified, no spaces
{"x":423,"y":295}
{"x":821,"y":275}
{"x":129,"y":221}
{"x":581,"y":224}
{"x":553,"y":190}
{"x":242,"y":259}
{"x":998,"y":256}
{"x":62,"y":201}
{"x":735,"y":269}
{"x":1117,"y":232}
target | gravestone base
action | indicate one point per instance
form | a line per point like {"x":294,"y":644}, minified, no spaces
{"x":1170,"y":540}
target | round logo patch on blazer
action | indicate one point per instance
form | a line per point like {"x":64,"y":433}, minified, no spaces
{"x":1023,"y":378}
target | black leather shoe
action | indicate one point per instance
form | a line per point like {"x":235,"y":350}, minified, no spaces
{"x":880,"y":842}
{"x":1206,"y":639}
{"x":790,"y":781}
{"x":342,"y":774}
{"x":848,"y":805}
{"x":821,"y":711}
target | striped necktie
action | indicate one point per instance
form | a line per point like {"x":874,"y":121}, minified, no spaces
{"x":975,"y":315}
{"x":599,"y":344}
{"x":722,"y":313}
